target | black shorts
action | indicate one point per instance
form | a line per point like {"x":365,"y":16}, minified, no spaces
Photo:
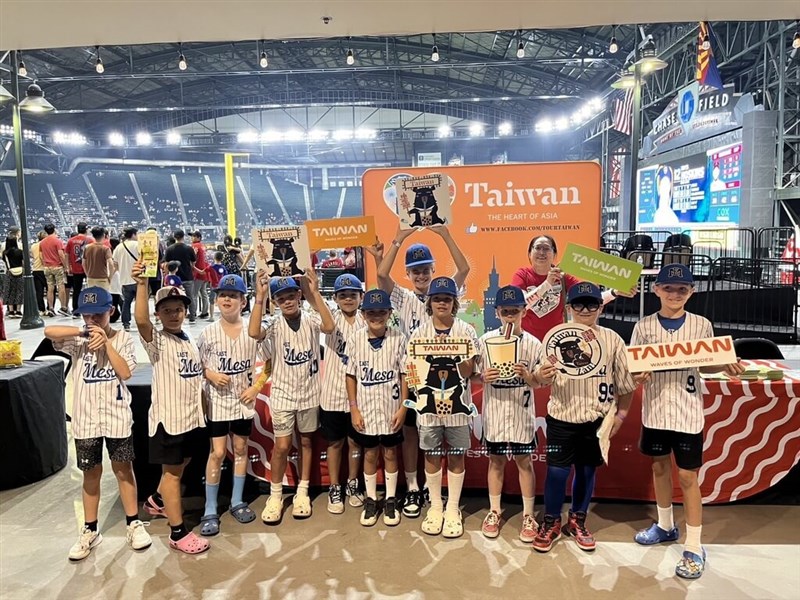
{"x":510,"y":448}
{"x":89,"y":451}
{"x":687,"y":447}
{"x":335,"y":425}
{"x":411,"y":414}
{"x":573,"y":443}
{"x":168,"y":449}
{"x":240,"y":427}
{"x":373,"y":441}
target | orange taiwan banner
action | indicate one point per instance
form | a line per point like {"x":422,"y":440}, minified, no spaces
{"x":496,"y":210}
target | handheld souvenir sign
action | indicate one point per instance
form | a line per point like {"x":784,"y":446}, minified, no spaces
{"x":503,"y":354}
{"x":423,"y":201}
{"x":574,"y":350}
{"x":432,"y":372}
{"x":148,"y":253}
{"x":281,"y":251}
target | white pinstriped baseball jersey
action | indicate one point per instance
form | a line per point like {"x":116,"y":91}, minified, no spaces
{"x":233,"y":357}
{"x":176,"y":396}
{"x":508,"y":407}
{"x":585,"y":400}
{"x":409,"y":309}
{"x":377,"y":371}
{"x":101,"y":404}
{"x":672,"y":400}
{"x":334,"y":388}
{"x":460,"y":329}
{"x":296,"y":383}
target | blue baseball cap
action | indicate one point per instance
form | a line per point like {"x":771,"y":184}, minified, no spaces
{"x":376,"y":300}
{"x":674,"y":273}
{"x":584,"y":291}
{"x":94,"y":301}
{"x":418,"y":255}
{"x":509,"y":295}
{"x":347,"y":282}
{"x":231,"y":283}
{"x":282,"y":284}
{"x":443,"y":285}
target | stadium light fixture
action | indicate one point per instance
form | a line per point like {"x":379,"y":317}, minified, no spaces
{"x":613,"y":47}
{"x":5,"y":95}
{"x":34,"y":101}
{"x":445,"y":131}
{"x":294,"y":135}
{"x":173,"y":138}
{"x":796,"y":41}
{"x":98,"y":64}
{"x":318,"y":135}
{"x":21,"y":70}
{"x":343,"y":134}
{"x":476,"y":130}
{"x":182,"y":64}
{"x":263,"y":61}
{"x":247,"y":137}
{"x":365,"y":133}
{"x":143,"y":139}
{"x":649,"y":62}
{"x":115,"y":138}
{"x":544,"y":126}
{"x":625,"y":81}
{"x":562,"y":124}
{"x":521,"y":50}
{"x":505,"y":128}
{"x":435,"y":50}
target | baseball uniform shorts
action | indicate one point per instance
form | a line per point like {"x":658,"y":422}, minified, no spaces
{"x":573,"y":443}
{"x":510,"y":448}
{"x":284,"y":421}
{"x":89,"y":451}
{"x":335,"y":425}
{"x":240,"y":427}
{"x":373,"y":441}
{"x":434,"y":437}
{"x":686,"y":447}
{"x":168,"y":449}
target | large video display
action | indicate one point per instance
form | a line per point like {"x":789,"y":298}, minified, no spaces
{"x":702,"y":190}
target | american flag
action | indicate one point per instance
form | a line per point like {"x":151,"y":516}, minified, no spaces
{"x":623,"y":111}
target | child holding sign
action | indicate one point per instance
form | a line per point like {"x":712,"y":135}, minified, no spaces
{"x":577,"y":407}
{"x":672,"y":417}
{"x":508,"y":412}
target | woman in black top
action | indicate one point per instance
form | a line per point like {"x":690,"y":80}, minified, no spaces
{"x":12,"y":289}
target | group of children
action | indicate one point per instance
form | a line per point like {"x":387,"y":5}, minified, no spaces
{"x":362,"y":402}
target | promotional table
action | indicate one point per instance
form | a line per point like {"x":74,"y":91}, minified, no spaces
{"x":33,"y":431}
{"x":751,"y":441}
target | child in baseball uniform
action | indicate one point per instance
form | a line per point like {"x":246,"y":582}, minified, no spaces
{"x":409,"y":307}
{"x":447,"y":435}
{"x":101,"y":413}
{"x":291,"y":340}
{"x":215,"y":273}
{"x":374,"y":360}
{"x":672,"y":417}
{"x":575,"y":412}
{"x":334,"y":412}
{"x":172,"y":278}
{"x":229,"y":358}
{"x":175,"y":418}
{"x":509,"y":427}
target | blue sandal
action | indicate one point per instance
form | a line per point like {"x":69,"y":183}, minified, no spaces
{"x":691,"y":566}
{"x":209,"y":525}
{"x":243,"y":513}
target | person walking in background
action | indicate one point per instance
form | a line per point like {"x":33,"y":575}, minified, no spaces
{"x":54,"y":260}
{"x":98,"y":265}
{"x":39,"y":282}
{"x":200,"y":277}
{"x":333,"y":261}
{"x":184,"y":254}
{"x":115,"y":286}
{"x":125,"y":256}
{"x":12,"y":287}
{"x":75,"y":247}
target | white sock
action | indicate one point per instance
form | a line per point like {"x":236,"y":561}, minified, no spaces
{"x":455,"y":481}
{"x":302,"y":488}
{"x":693,"y":543}
{"x":665,"y":520}
{"x":435,"y":488}
{"x":391,"y":483}
{"x":276,"y":489}
{"x":494,"y":502}
{"x":371,"y":482}
{"x":527,"y":506}
{"x":411,"y":481}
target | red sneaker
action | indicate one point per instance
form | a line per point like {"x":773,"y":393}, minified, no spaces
{"x":549,"y":532}
{"x":576,"y":527}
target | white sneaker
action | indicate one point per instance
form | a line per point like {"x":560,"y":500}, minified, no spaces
{"x":137,"y":535}
{"x":87,"y":539}
{"x":273,"y":509}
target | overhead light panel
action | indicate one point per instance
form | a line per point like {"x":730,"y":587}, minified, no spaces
{"x":98,"y":64}
{"x":34,"y":101}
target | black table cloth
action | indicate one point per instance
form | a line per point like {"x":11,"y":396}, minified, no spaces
{"x":33,"y":431}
